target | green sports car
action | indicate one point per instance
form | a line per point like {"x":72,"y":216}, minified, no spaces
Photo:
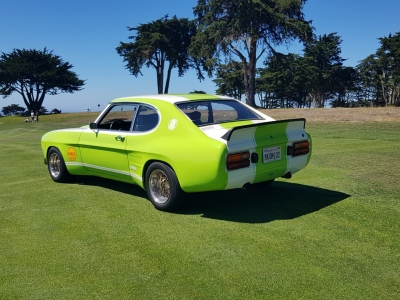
{"x":171,"y":145}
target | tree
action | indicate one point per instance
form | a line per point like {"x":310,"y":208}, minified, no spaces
{"x":43,"y":110}
{"x":245,"y":30}
{"x":388,"y":62}
{"x":285,"y":81}
{"x":380,"y":73}
{"x":348,"y":88}
{"x":12,"y":109}
{"x":368,"y":70}
{"x":155,"y":44}
{"x":230,"y":80}
{"x":34,"y":74}
{"x":323,"y":55}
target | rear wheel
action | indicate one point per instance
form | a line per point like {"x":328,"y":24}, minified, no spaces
{"x":56,"y":165}
{"x":162,"y":187}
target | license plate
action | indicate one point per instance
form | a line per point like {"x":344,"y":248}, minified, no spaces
{"x":271,"y":154}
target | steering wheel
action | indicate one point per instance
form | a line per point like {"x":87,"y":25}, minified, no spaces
{"x":114,"y":123}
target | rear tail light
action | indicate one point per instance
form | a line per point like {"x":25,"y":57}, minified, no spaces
{"x":238,"y":160}
{"x":299,"y":148}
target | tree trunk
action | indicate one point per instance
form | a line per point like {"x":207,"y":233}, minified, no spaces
{"x":246,"y":79}
{"x":168,"y":78}
{"x":383,"y":86}
{"x":250,"y":74}
{"x":160,"y":74}
{"x":160,"y":80}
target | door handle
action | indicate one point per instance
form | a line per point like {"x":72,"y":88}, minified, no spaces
{"x":120,"y":138}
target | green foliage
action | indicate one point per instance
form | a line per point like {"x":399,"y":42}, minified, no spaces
{"x":316,"y":79}
{"x":319,"y":78}
{"x":380,"y":73}
{"x":12,"y":109}
{"x":158,"y":42}
{"x":34,"y":74}
{"x":284,"y":82}
{"x":323,"y":56}
{"x":43,"y":110}
{"x":229,"y":80}
{"x":369,"y":80}
{"x":244,"y":30}
{"x":347,"y":88}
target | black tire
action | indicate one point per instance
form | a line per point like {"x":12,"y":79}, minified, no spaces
{"x":56,"y":165}
{"x":162,"y":187}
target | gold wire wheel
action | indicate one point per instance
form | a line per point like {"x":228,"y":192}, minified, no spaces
{"x":159,"y":186}
{"x":55,"y":165}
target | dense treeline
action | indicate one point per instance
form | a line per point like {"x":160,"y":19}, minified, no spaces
{"x":319,"y":78}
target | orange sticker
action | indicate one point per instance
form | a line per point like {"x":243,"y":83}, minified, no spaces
{"x":71,"y":153}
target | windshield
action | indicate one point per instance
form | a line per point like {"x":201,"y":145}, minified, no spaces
{"x":216,"y":111}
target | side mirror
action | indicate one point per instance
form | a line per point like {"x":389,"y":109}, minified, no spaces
{"x":92,"y":125}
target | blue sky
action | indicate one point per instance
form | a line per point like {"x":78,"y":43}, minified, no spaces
{"x":85,"y":33}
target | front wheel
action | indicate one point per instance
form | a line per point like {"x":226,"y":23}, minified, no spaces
{"x":162,"y":187}
{"x":56,"y":165}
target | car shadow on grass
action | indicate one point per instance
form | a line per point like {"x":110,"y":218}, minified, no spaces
{"x":114,"y":185}
{"x":278,"y":201}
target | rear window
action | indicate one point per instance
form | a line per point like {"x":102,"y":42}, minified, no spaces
{"x":216,"y":111}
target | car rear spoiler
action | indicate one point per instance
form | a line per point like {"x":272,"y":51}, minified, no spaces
{"x":227,"y":136}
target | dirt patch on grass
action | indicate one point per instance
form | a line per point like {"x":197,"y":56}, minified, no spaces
{"x":378,"y":114}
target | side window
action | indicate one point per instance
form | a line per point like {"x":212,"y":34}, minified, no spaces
{"x":146,"y":119}
{"x":119,"y":117}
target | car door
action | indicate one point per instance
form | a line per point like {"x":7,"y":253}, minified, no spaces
{"x":142,"y":144}
{"x":103,"y":147}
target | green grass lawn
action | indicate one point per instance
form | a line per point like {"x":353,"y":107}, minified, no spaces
{"x":330,"y":232}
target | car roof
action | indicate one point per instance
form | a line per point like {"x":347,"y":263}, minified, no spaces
{"x":173,"y":98}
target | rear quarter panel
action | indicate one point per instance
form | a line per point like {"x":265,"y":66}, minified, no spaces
{"x":198,"y":161}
